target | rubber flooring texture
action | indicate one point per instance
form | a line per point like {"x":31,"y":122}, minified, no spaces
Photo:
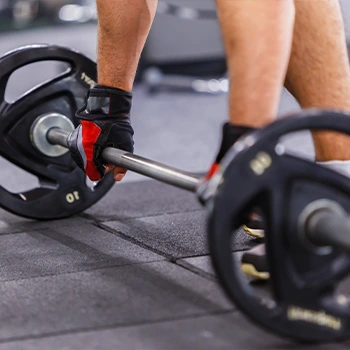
{"x":127,"y":282}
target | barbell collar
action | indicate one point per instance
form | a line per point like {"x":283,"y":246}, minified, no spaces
{"x":329,"y":227}
{"x":137,"y":164}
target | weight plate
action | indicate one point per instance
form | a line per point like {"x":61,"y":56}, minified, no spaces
{"x":304,"y":303}
{"x":63,"y":189}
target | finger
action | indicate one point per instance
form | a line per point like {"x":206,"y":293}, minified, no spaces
{"x":119,"y":173}
{"x":109,"y":167}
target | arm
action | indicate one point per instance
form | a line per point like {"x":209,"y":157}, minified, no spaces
{"x":123,"y":27}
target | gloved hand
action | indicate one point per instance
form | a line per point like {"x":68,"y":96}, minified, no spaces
{"x":230,"y":135}
{"x":105,"y":123}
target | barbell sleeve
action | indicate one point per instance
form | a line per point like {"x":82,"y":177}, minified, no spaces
{"x":137,"y":164}
{"x":327,"y":227}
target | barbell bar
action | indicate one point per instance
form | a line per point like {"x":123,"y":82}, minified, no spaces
{"x":137,"y":164}
{"x":322,"y":226}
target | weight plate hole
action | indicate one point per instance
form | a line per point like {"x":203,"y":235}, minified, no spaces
{"x":90,"y":184}
{"x":26,"y":78}
{"x":15,"y":179}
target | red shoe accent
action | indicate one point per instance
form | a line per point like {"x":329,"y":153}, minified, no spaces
{"x":213,"y":169}
{"x":90,"y":134}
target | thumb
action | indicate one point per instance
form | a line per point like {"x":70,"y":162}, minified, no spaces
{"x":119,"y":173}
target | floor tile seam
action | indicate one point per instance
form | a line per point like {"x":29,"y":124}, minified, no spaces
{"x":81,"y":271}
{"x":133,"y":240}
{"x":170,"y":258}
{"x":126,"y":219}
{"x":197,"y":271}
{"x":119,"y":326}
{"x":194,"y":256}
{"x":209,"y":255}
{"x":25,"y":230}
{"x":28,"y":229}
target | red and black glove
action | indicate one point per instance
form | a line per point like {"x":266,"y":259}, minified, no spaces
{"x":105,"y":123}
{"x":230,"y":135}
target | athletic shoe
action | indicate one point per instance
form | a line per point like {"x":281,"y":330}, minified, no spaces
{"x":255,"y":225}
{"x":254,"y":263}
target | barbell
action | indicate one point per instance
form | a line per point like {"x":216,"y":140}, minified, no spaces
{"x":305,"y":206}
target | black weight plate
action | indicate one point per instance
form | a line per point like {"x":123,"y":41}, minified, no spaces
{"x":63,"y":190}
{"x":304,"y":305}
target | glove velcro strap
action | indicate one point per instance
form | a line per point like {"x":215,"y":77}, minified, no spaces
{"x":105,"y":103}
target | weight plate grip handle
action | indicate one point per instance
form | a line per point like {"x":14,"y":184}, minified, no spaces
{"x":326,"y":227}
{"x":136,"y":164}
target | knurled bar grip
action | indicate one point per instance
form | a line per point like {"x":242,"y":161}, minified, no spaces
{"x":137,"y":164}
{"x":326,"y":227}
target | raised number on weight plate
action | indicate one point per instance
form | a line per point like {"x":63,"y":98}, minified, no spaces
{"x":72,"y":197}
{"x":260,"y":163}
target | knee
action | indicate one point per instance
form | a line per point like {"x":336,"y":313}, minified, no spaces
{"x":287,"y":9}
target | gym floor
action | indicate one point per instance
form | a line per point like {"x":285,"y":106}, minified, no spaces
{"x":132,"y":272}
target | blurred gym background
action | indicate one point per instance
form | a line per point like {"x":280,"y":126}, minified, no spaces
{"x":178,"y":48}
{"x":182,"y":52}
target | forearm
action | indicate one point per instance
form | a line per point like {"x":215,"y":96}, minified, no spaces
{"x":123,"y":27}
{"x":258,"y":39}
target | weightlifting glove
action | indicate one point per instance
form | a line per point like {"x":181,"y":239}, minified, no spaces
{"x":230,"y":135}
{"x":105,"y":122}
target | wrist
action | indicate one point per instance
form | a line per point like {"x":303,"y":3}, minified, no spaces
{"x":106,"y":103}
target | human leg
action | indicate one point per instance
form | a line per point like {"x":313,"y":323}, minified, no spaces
{"x":318,"y":76}
{"x":318,"y":73}
{"x":258,"y":38}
